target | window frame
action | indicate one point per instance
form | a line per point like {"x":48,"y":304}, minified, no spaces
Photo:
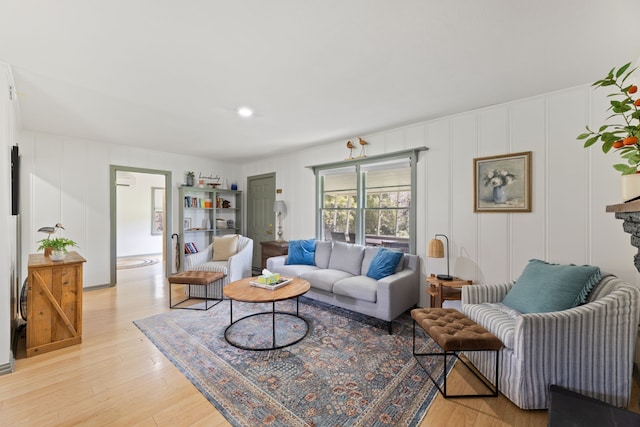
{"x":410,"y":155}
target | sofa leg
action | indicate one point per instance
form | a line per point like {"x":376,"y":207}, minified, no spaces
{"x":390,"y":328}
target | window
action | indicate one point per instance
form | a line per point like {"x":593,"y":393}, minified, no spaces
{"x":387,"y":188}
{"x":339,"y":204}
{"x":370,"y":201}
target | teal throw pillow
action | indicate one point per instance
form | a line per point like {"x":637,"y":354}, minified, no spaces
{"x":545,"y":287}
{"x":302,"y":252}
{"x":384,"y":263}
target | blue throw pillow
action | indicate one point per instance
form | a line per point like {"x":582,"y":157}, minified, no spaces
{"x":384,"y":263}
{"x":545,"y":287}
{"x":302,"y":252}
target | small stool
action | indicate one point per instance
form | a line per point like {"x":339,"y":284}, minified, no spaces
{"x":454,"y":332}
{"x":203,"y":278}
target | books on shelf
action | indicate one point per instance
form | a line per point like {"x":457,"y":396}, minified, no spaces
{"x":190,"y":248}
{"x":197,"y":202}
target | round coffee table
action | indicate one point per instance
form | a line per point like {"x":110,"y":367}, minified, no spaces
{"x":242,"y":290}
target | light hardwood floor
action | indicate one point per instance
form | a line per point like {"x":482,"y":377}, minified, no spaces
{"x":117,"y":377}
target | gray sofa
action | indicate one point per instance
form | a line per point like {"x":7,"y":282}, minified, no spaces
{"x":339,"y":277}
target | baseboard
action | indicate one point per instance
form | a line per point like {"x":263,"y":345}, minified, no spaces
{"x":96,"y":287}
{"x":7,"y":368}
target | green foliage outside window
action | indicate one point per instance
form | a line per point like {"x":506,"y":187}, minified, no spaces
{"x":386,"y":214}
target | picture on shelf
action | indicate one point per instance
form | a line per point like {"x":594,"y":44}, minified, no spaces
{"x":187,"y":223}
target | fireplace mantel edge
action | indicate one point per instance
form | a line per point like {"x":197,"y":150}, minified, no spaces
{"x":625,"y":207}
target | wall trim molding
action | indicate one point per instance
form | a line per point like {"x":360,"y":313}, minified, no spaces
{"x":7,"y":368}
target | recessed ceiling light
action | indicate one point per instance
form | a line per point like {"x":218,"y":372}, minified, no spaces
{"x":245,"y":112}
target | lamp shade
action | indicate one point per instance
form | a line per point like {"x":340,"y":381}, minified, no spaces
{"x":435,"y":249}
{"x":280,"y":207}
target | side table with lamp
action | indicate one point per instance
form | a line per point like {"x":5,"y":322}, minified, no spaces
{"x":443,"y":287}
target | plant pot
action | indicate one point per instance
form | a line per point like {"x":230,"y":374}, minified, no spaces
{"x":630,"y":186}
{"x":47,"y":251}
{"x":58,"y":255}
{"x":189,"y":181}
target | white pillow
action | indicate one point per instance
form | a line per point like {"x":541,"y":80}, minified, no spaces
{"x":225,"y":247}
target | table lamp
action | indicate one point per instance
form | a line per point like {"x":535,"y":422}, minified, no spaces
{"x":435,"y":249}
{"x":280,"y":208}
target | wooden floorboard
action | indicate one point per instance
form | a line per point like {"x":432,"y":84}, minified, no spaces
{"x":117,"y":377}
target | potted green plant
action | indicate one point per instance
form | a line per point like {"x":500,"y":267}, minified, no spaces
{"x":622,"y":130}
{"x":56,"y":248}
{"x":190,"y":177}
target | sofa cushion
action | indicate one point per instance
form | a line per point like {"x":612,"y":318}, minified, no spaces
{"x":224,"y":247}
{"x":545,"y":287}
{"x":324,"y":278}
{"x":323,"y":253}
{"x":358,"y":287}
{"x":384,"y":263}
{"x":400,"y":266}
{"x":498,"y":318}
{"x":369,"y":253}
{"x":346,"y":257}
{"x":294,"y":270}
{"x":302,"y":252}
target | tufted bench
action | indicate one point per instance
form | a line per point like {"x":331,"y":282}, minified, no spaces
{"x":454,"y":332}
{"x":201,"y":278}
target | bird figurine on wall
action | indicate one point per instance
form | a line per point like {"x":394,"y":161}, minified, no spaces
{"x":363,"y":144}
{"x":350,"y":146}
{"x":50,"y":230}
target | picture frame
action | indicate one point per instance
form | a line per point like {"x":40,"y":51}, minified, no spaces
{"x":157,"y":210}
{"x":187,"y":224}
{"x":502,"y":183}
{"x":156,"y":224}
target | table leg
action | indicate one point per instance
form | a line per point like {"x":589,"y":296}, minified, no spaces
{"x":230,"y":311}
{"x":273,"y":324}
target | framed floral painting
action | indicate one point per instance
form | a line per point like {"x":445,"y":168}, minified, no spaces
{"x":502,"y":183}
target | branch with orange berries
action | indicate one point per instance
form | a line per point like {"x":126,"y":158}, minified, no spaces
{"x":622,"y":137}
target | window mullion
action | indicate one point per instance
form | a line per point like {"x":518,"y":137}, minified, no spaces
{"x":361,"y":202}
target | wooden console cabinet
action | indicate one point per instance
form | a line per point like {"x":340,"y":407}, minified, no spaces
{"x":54,"y":303}
{"x":270,"y":249}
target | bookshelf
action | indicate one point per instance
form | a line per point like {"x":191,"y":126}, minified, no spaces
{"x":205,"y":213}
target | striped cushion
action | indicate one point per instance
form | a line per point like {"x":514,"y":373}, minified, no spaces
{"x":215,"y":289}
{"x":497,"y":317}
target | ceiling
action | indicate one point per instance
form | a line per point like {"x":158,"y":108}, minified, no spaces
{"x":169,"y":75}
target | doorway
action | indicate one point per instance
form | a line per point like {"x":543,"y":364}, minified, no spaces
{"x":142,"y":196}
{"x":261,"y":195}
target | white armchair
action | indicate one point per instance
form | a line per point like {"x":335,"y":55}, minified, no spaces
{"x":235,"y":268}
{"x":589,"y":348}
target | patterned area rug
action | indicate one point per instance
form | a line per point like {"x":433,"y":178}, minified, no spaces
{"x":348,"y":371}
{"x":134,"y":262}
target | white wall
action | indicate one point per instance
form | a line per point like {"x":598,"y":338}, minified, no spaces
{"x":134,"y":216}
{"x":67,"y":181}
{"x":571,"y":187}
